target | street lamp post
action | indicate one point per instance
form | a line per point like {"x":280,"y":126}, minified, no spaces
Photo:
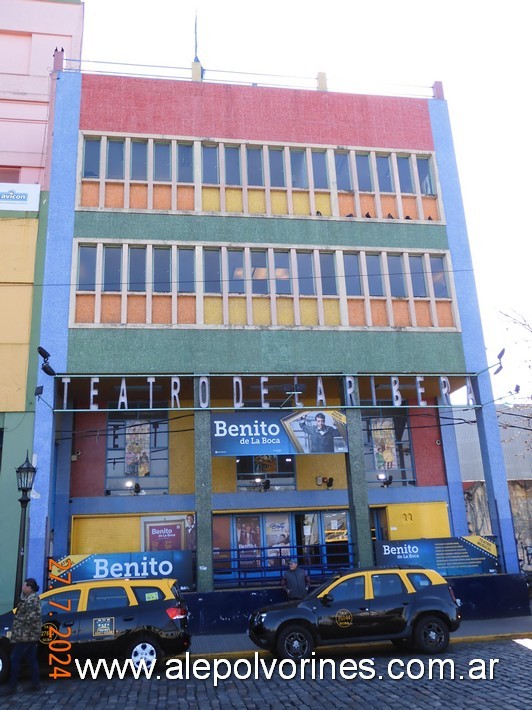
{"x":25,"y":477}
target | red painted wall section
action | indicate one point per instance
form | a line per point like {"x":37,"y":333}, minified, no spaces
{"x":196,"y":109}
{"x":428,"y":455}
{"x":87,"y":474}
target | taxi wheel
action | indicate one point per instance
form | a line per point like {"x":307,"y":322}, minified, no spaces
{"x":295,"y":642}
{"x":146,"y":649}
{"x":4,"y":664}
{"x":431,"y":634}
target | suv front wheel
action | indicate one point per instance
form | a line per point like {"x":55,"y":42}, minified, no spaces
{"x":295,"y":642}
{"x":144,"y":649}
{"x":431,"y":634}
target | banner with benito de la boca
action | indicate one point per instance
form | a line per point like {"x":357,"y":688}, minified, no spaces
{"x":261,"y":432}
{"x":172,"y":564}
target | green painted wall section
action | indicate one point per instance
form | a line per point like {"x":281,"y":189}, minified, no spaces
{"x":220,"y":229}
{"x":261,"y":351}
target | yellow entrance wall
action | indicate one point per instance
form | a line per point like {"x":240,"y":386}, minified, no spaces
{"x":181,"y":452}
{"x":310,"y":466}
{"x":417,"y":520}
{"x":105,"y":533}
{"x":18,"y":240}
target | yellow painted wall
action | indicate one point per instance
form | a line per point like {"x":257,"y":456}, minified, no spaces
{"x":309,"y":311}
{"x":311,"y":466}
{"x":181,"y":452}
{"x":285,"y":311}
{"x":105,"y":533}
{"x":279,"y":202}
{"x":331,"y":311}
{"x":301,"y":202}
{"x":213,"y":310}
{"x":18,"y":239}
{"x":261,"y":311}
{"x":211,"y":199}
{"x":256,"y":201}
{"x":416,"y":520}
{"x":237,"y":310}
{"x":323,"y":203}
{"x":223,"y":474}
{"x":233,"y":200}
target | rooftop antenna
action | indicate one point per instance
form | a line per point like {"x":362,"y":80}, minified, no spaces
{"x":196,"y":38}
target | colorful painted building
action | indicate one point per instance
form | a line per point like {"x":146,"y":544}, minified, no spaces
{"x":32,"y":35}
{"x":258,"y":303}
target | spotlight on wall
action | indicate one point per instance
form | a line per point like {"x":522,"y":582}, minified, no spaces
{"x":319,"y":480}
{"x":329,"y":482}
{"x":46,"y":367}
{"x":265,"y":485}
{"x":385,"y":480}
{"x":136,"y":489}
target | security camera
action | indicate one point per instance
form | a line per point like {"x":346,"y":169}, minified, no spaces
{"x":43,"y":353}
{"x":438,"y":442}
{"x":77,"y":452}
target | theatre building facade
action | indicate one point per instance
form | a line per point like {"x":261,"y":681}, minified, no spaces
{"x":258,"y":304}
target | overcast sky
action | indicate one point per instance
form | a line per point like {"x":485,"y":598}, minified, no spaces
{"x":479,"y":49}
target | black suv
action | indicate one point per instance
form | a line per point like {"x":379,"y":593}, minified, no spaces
{"x":415,"y":608}
{"x":140,"y":619}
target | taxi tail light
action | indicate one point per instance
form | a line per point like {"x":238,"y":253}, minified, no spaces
{"x":453,"y":596}
{"x":176,"y":612}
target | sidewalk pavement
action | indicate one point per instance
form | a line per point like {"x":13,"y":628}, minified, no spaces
{"x":226,"y":645}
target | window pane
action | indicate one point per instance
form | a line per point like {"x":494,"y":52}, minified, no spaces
{"x":162,"y":270}
{"x":417,"y":275}
{"x":283,"y":283}
{"x":112,"y":263}
{"x":139,"y":160}
{"x":384,"y":173}
{"x":210,"y":164}
{"x":276,"y":167}
{"x":91,"y":158}
{"x":405,"y":175}
{"x":352,"y":275}
{"x":259,"y":272}
{"x":319,"y":169}
{"x":137,"y":268}
{"x":425,"y":178}
{"x":373,"y":262}
{"x":438,"y":277}
{"x":185,"y":166}
{"x":397,"y":281}
{"x":211,"y":270}
{"x":305,"y":274}
{"x":343,"y":177}
{"x":186,"y":270}
{"x":298,"y":165}
{"x":254,"y":156}
{"x":162,"y":171}
{"x":87,"y":269}
{"x":232,"y":165}
{"x":364,"y":173}
{"x":328,"y":274}
{"x":236,"y":271}
{"x":115,"y":160}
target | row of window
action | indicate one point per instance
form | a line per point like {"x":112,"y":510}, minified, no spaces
{"x":257,"y":166}
{"x":259,"y":271}
{"x":137,"y":453}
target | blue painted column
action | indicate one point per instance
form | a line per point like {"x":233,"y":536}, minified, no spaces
{"x":55,"y":304}
{"x":473,"y":339}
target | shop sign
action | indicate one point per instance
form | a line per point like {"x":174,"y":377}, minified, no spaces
{"x":18,"y":197}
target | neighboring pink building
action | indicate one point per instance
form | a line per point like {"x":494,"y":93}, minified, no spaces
{"x":30,"y":32}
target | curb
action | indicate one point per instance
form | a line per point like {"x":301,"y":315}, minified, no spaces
{"x":249,"y":653}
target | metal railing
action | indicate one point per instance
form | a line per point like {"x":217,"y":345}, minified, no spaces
{"x":264,"y":566}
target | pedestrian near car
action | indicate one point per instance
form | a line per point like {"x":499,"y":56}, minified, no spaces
{"x":295,"y":580}
{"x":25,"y":635}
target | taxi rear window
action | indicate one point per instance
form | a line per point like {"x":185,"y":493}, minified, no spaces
{"x":419,"y":580}
{"x":145,"y":595}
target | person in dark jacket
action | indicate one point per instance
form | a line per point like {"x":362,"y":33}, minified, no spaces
{"x":25,"y":635}
{"x":320,"y":435}
{"x":295,"y":580}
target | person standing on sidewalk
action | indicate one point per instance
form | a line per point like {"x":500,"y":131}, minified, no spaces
{"x":25,"y":635}
{"x":295,"y":580}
